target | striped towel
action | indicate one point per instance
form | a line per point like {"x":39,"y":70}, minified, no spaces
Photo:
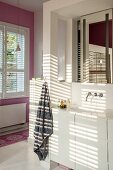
{"x":44,"y":124}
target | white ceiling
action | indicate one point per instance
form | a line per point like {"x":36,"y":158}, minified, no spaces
{"x":85,"y":7}
{"x":31,"y":5}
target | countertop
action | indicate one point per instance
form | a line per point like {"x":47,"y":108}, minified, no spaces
{"x":79,"y":110}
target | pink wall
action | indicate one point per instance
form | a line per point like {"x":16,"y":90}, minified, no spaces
{"x":13,"y":15}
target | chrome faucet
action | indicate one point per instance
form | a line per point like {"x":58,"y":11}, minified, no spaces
{"x":94,"y":95}
{"x":89,"y":94}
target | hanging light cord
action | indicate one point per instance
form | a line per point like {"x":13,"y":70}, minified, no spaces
{"x":18,"y":45}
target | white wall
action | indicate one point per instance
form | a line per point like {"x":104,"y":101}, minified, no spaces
{"x":38,"y":43}
{"x":79,"y":93}
{"x":48,"y":38}
{"x":50,"y":60}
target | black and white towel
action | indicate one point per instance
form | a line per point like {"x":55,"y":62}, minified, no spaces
{"x":44,"y":124}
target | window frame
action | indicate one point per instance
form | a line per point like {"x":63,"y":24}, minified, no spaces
{"x":21,"y":30}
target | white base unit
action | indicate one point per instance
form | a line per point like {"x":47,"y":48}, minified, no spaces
{"x":12,"y":115}
{"x":79,"y":140}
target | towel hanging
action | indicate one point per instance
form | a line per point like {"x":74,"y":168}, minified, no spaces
{"x":44,"y":124}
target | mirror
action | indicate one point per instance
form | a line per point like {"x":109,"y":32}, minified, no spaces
{"x":96,"y":47}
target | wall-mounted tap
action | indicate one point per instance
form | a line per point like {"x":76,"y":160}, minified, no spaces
{"x":95,"y":94}
{"x":89,"y":94}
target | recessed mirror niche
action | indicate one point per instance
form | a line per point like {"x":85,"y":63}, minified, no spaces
{"x":95,"y":38}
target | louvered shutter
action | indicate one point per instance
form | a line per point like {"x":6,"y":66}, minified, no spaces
{"x":15,"y":63}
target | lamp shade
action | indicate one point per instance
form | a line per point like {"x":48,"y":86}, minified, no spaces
{"x":18,"y":48}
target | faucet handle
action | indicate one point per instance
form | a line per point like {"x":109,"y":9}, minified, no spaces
{"x":95,"y":94}
{"x":100,"y":94}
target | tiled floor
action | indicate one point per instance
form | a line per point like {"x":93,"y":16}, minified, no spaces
{"x":19,"y":156}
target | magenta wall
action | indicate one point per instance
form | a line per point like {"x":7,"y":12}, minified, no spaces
{"x":97,"y":33}
{"x":13,"y":15}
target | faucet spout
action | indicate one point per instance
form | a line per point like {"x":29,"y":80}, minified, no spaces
{"x":89,"y":94}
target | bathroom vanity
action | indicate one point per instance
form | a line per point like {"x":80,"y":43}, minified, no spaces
{"x":82,"y":139}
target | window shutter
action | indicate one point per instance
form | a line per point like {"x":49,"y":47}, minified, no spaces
{"x":15,"y":64}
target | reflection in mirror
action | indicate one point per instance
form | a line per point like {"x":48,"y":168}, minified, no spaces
{"x":79,"y":58}
{"x":97,"y":47}
{"x":99,"y":64}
